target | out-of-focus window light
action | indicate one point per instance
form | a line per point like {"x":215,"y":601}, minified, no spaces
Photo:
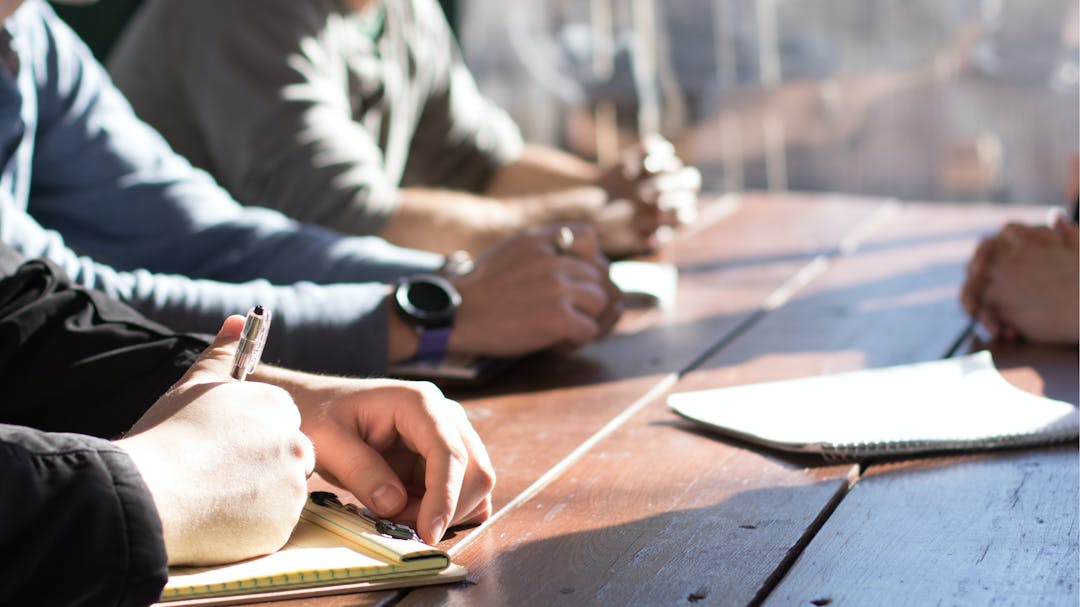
{"x":918,"y":99}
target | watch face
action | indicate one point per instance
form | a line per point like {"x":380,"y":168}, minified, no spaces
{"x":429,"y":300}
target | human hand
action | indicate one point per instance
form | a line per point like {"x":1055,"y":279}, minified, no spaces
{"x":524,"y":295}
{"x":649,"y":188}
{"x":1022,"y":282}
{"x":402,"y":448}
{"x":224,"y":460}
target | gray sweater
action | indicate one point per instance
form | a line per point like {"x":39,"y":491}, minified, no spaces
{"x":313,"y":109}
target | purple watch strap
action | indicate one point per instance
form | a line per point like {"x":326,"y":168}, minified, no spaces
{"x":433,"y":343}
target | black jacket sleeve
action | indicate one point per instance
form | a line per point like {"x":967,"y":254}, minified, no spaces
{"x":77,"y":525}
{"x":76,"y":360}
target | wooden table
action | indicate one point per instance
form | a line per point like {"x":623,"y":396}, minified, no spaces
{"x":605,"y":497}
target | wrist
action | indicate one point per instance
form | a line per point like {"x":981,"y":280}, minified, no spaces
{"x":426,"y":305}
{"x":403,"y":340}
{"x":576,"y":204}
{"x":166,"y":503}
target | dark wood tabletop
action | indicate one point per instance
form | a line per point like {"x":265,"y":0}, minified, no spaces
{"x":605,"y":497}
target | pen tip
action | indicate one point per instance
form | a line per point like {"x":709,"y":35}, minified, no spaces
{"x":259,"y":310}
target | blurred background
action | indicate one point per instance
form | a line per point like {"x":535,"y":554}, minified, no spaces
{"x":969,"y":100}
{"x":918,"y":99}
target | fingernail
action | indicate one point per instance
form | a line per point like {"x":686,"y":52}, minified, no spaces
{"x":387,"y":499}
{"x":438,"y":527}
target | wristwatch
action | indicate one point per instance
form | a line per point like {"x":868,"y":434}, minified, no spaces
{"x":428,"y":302}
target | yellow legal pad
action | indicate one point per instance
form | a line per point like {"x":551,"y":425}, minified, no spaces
{"x":333,"y":549}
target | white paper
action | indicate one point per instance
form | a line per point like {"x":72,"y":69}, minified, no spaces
{"x":646,"y":283}
{"x":958,"y":403}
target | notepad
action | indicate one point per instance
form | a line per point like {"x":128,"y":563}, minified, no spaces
{"x":333,"y":549}
{"x":954,"y":404}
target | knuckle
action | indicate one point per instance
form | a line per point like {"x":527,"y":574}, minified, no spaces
{"x":485,"y":478}
{"x":457,"y":454}
{"x":428,"y":391}
{"x":298,"y":446}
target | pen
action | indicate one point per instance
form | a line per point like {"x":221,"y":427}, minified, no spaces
{"x":252,"y":340}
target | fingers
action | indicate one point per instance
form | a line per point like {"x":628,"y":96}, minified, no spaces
{"x":652,"y":155}
{"x":457,"y":473}
{"x":215,"y":363}
{"x":972,"y":292}
{"x":474,"y":501}
{"x":573,"y":328}
{"x":686,"y":180}
{"x":584,"y":271}
{"x":574,"y":239}
{"x":443,"y":475}
{"x":595,"y":301}
{"x":588,"y":297}
{"x":364,"y":471}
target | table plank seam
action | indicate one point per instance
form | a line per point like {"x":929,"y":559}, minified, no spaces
{"x":804,"y":540}
{"x":558,"y":469}
{"x":806,"y":274}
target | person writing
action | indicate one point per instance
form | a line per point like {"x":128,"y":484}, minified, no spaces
{"x":92,"y":482}
{"x":361,"y":116}
{"x":89,"y":186}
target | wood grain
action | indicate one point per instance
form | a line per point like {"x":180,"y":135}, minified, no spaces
{"x":653,"y":511}
{"x":995,"y":529}
{"x":659,"y":513}
{"x":545,"y":407}
{"x":999,"y":528}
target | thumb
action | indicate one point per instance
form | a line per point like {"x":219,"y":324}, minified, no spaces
{"x":215,"y":362}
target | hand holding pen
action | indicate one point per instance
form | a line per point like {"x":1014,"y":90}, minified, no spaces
{"x":210,"y":443}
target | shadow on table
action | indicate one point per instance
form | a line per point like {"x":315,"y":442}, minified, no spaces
{"x":723,"y":554}
{"x":788,"y":458}
{"x":884,"y":319}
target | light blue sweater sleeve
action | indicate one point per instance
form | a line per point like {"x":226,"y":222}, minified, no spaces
{"x":119,"y":211}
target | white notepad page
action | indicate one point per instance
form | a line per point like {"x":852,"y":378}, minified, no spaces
{"x":958,"y":403}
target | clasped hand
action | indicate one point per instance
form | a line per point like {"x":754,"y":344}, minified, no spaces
{"x":1022,"y":283}
{"x":649,"y":189}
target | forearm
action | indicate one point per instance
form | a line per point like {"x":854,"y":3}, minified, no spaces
{"x":445,"y":220}
{"x":339,"y":328}
{"x":542,"y":169}
{"x":448,"y":220}
{"x":75,"y":506}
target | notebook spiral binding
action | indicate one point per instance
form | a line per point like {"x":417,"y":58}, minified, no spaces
{"x":1064,"y":430}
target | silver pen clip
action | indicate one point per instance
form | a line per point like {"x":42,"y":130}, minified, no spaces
{"x":252,"y":341}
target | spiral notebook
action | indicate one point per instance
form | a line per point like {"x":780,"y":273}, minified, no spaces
{"x":335,"y":548}
{"x":947,"y":405}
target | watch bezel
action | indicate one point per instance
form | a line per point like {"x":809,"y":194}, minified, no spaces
{"x":424,"y":317}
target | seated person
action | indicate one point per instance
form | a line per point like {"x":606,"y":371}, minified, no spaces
{"x":361,"y":116}
{"x":93,"y":487}
{"x":1022,"y":283}
{"x":89,"y":186}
